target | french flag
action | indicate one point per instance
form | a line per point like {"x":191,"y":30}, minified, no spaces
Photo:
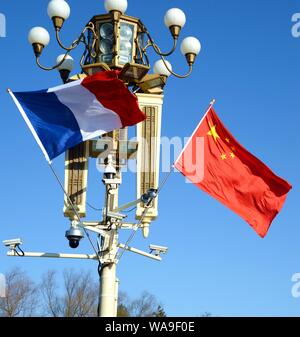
{"x":64,"y":116}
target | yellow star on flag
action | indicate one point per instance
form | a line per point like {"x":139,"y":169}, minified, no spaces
{"x":223,"y":156}
{"x":232,"y":155}
{"x":213,"y":132}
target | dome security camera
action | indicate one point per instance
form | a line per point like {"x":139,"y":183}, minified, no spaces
{"x":110,"y":171}
{"x":149,"y":196}
{"x":74,"y":235}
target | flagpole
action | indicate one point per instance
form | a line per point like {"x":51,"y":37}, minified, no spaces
{"x":188,"y":142}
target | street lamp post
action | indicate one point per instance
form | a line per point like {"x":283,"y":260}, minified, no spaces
{"x":115,"y":41}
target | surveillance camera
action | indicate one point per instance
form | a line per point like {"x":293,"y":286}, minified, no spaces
{"x":117,"y":216}
{"x":110,"y":171}
{"x":74,"y":235}
{"x":12,"y":243}
{"x":158,"y":249}
{"x":109,"y":175}
{"x":149,"y":196}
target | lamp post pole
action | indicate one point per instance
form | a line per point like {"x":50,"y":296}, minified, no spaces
{"x":118,"y":42}
{"x":108,"y":297}
{"x":108,"y":293}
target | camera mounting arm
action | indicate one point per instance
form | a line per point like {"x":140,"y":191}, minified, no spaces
{"x":55,"y":255}
{"x":139,"y":252}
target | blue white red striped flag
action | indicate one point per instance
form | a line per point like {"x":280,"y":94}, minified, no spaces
{"x":62,"y":117}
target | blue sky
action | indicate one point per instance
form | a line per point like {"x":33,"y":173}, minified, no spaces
{"x":216,"y":262}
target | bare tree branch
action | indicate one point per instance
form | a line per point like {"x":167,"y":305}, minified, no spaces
{"x":145,"y":306}
{"x":21,"y":295}
{"x":77,"y":297}
{"x":52,"y":301}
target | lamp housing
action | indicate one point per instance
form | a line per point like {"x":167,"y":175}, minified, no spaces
{"x":161,"y":69}
{"x":65,"y":67}
{"x":175,"y":20}
{"x":120,"y":42}
{"x":116,"y":5}
{"x":39,"y":38}
{"x":58,"y":11}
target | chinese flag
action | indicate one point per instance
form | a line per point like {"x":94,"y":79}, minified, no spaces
{"x":215,"y":162}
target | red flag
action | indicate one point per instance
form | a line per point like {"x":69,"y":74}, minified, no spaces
{"x":215,"y":162}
